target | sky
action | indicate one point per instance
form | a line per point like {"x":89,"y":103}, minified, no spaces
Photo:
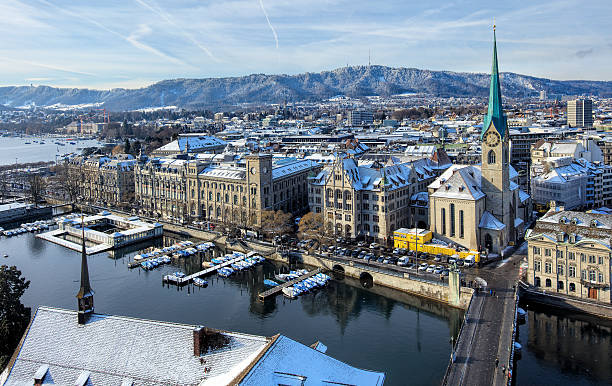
{"x":105,"y":44}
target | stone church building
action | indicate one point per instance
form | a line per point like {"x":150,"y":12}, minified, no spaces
{"x":482,"y":206}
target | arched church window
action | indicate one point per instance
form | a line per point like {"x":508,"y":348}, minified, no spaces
{"x":491,"y":157}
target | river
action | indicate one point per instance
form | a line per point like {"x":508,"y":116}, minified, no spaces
{"x":407,"y":337}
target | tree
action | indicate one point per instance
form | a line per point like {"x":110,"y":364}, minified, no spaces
{"x":36,"y":187}
{"x":127,"y":148}
{"x":66,"y":181}
{"x":14,"y":316}
{"x":117,"y":150}
{"x":313,"y":226}
{"x":276,"y":223}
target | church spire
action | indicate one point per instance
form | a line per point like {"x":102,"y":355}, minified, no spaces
{"x":495,"y":113}
{"x":85,"y":294}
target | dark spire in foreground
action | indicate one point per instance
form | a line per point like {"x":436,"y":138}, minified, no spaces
{"x":495,"y":113}
{"x":85,"y":294}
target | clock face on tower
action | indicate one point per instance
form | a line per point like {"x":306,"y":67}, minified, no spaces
{"x":492,"y":139}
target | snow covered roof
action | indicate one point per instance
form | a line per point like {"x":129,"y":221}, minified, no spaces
{"x":488,"y":221}
{"x":114,"y":348}
{"x":196,"y":143}
{"x":523,"y":196}
{"x":234,"y":173}
{"x":289,"y":362}
{"x":287,"y":167}
{"x":458,"y":181}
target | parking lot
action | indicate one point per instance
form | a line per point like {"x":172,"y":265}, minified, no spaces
{"x":431,"y":267}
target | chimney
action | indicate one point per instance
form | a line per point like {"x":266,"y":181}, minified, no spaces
{"x":198,"y":338}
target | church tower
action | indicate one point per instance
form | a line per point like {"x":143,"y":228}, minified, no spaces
{"x":85,"y":294}
{"x":496,"y":155}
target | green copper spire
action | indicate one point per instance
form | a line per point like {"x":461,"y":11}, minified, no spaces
{"x":495,"y":114}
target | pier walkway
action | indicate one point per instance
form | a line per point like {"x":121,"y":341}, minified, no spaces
{"x":187,"y":279}
{"x":275,"y":290}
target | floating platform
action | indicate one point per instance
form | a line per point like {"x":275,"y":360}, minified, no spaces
{"x":275,"y":290}
{"x":180,"y":281}
{"x":52,"y":236}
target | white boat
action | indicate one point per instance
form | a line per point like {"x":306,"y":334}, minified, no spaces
{"x":289,"y":292}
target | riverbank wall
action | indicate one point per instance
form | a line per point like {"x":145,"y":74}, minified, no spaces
{"x":404,"y":282}
{"x":529,"y":294}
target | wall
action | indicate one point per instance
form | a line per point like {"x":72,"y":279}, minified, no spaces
{"x":430,"y":290}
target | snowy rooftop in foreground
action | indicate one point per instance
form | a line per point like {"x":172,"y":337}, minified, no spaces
{"x":118,"y":350}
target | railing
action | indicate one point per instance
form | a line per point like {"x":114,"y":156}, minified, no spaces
{"x":510,"y":364}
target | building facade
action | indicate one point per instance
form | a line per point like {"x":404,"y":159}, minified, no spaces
{"x":580,"y":113}
{"x":104,"y":180}
{"x":367,"y":199}
{"x":224,"y":188}
{"x":570,"y":253}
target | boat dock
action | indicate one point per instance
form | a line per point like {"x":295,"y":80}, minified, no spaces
{"x":136,"y":264}
{"x":187,"y":279}
{"x":275,"y":290}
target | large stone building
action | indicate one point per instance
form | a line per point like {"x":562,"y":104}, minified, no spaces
{"x":104,"y":180}
{"x":580,"y":113}
{"x":369,"y":200}
{"x":223,"y":188}
{"x":482,"y":207}
{"x":570,"y":253}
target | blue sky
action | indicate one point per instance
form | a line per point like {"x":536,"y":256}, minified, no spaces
{"x":133,"y":43}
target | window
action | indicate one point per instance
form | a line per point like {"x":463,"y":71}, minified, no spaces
{"x":347,"y":217}
{"x":547,"y":252}
{"x":548,"y":267}
{"x":559,"y":254}
{"x":572,"y":287}
{"x":600,"y":277}
{"x":491,"y":157}
{"x":559,"y":269}
{"x":592,"y":275}
{"x":536,"y":250}
{"x":583,"y":274}
{"x":601,"y":260}
{"x":583,"y":258}
{"x":537,"y":265}
{"x":548,"y":283}
{"x":536,"y":281}
{"x":592,"y":259}
{"x":571,"y":255}
{"x":376,"y":229}
{"x":452,"y":220}
{"x":461,"y":232}
{"x":559,"y":285}
{"x":571,"y":270}
{"x":443,"y":221}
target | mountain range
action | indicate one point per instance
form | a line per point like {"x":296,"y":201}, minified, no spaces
{"x":354,"y":81}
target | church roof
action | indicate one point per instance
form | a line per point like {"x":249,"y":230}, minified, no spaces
{"x":495,"y":113}
{"x":488,"y":221}
{"x":459,"y":181}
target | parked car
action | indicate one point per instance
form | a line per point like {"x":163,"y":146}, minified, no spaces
{"x":381,"y":259}
{"x":374,"y":246}
{"x":445,"y":272}
{"x":469,"y":261}
{"x":412,"y":266}
{"x":431,"y":268}
{"x":361,"y":244}
{"x":452,"y":260}
{"x":423,"y":267}
{"x":369,"y":256}
{"x":437,"y":258}
{"x":459,"y":262}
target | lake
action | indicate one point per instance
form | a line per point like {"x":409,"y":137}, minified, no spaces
{"x":15,"y":149}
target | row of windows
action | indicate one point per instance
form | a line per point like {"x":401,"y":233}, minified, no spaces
{"x":592,"y":275}
{"x":592,"y":259}
{"x":452,"y":222}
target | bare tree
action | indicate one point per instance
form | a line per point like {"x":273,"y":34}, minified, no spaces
{"x":313,"y":226}
{"x":67,"y":181}
{"x":36,"y":187}
{"x":276,"y":223}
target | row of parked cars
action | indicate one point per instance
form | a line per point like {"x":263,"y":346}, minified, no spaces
{"x":408,"y":260}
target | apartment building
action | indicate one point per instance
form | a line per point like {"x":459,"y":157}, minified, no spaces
{"x":569,"y":253}
{"x":223,"y":188}
{"x":368,"y":199}
{"x":104,"y":180}
{"x":580,"y":113}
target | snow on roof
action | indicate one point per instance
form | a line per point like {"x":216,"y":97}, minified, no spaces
{"x":196,"y":142}
{"x":284,"y":168}
{"x":229,"y":172}
{"x":420,"y":196}
{"x":112,"y":348}
{"x":458,"y":181}
{"x":523,"y":196}
{"x":288,"y":362}
{"x":488,"y":221}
